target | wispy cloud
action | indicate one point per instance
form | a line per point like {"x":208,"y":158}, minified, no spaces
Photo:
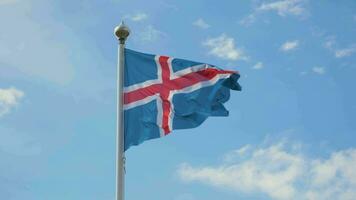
{"x":47,"y":55}
{"x":289,"y":45}
{"x":4,"y":2}
{"x":248,"y":20}
{"x":303,"y":73}
{"x":319,"y":70}
{"x":201,"y":24}
{"x":150,"y":34}
{"x":281,"y":173}
{"x":285,"y":7}
{"x":137,"y":17}
{"x":258,"y":66}
{"x":185,"y":196}
{"x":330,"y":42}
{"x":332,"y":45}
{"x":18,"y":144}
{"x":339,"y":53}
{"x":224,"y":47}
{"x":9,"y":98}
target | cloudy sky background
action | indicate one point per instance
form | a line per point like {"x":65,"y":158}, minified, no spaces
{"x":290,"y":133}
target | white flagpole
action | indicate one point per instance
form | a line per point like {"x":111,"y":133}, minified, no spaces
{"x":121,"y":32}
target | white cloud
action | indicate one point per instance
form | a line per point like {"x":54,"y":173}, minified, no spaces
{"x":201,"y":24}
{"x":281,"y":174}
{"x":285,"y":7}
{"x":9,"y":98}
{"x":289,"y":45}
{"x":258,"y":65}
{"x":224,"y":47}
{"x":333,"y":178}
{"x":319,"y":70}
{"x":339,"y":53}
{"x":138,"y":17}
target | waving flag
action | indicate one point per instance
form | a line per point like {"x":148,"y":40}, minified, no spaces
{"x":163,"y":93}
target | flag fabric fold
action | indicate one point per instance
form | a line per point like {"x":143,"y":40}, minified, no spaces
{"x":162,"y":94}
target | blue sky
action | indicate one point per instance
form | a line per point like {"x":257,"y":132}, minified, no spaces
{"x":290,"y":133}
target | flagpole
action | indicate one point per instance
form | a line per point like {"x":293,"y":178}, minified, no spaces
{"x":121,"y":32}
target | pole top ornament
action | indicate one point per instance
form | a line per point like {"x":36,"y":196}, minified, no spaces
{"x":122,"y":32}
